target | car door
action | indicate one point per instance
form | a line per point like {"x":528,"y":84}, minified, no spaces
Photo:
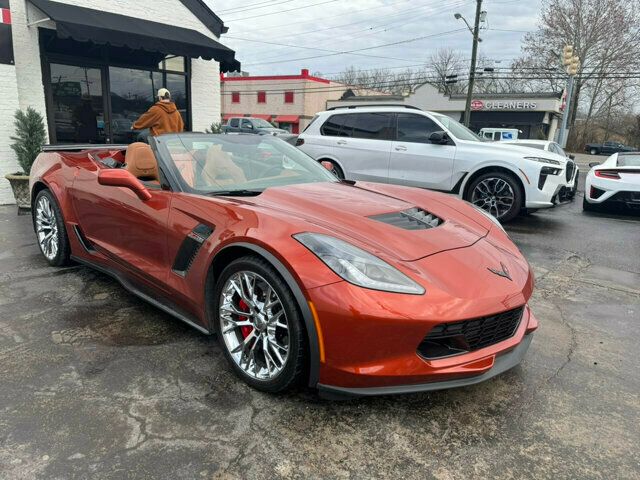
{"x":131,"y":232}
{"x":415,"y":161}
{"x":363,"y":144}
{"x":246,"y":126}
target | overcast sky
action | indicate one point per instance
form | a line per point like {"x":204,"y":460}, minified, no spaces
{"x":325,"y":26}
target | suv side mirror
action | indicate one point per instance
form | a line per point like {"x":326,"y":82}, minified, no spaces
{"x":122,"y":178}
{"x":439,"y":138}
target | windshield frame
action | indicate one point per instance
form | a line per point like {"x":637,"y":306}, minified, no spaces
{"x":438,"y":117}
{"x":177,"y":183}
{"x":256,"y":123}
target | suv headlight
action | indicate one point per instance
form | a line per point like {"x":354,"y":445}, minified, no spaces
{"x":357,"y":266}
{"x":549,"y":161}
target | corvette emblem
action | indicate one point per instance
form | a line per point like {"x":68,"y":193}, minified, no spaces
{"x":501,"y":273}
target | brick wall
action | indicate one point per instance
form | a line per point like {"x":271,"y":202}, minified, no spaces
{"x":8,"y":105}
{"x":29,"y":90}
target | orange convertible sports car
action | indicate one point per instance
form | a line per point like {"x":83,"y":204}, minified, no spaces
{"x":353,"y":288}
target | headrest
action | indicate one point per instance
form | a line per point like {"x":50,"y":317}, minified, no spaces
{"x":141,"y":162}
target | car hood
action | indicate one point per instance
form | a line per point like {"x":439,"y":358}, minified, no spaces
{"x":345,"y":211}
{"x":510,"y":151}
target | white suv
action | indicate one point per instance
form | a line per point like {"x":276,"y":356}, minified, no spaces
{"x":408,"y":146}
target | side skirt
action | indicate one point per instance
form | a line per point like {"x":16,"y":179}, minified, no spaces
{"x":165,"y":306}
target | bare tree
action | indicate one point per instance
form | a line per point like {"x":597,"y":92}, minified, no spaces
{"x":446,"y":66}
{"x":606,"y":36}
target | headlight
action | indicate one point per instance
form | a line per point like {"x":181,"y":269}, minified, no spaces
{"x":357,"y":266}
{"x":543,"y":160}
{"x":489,"y":216}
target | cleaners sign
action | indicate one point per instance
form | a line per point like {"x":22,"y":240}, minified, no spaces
{"x":503,"y":105}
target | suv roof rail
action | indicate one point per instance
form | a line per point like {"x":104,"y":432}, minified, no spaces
{"x":396,"y":105}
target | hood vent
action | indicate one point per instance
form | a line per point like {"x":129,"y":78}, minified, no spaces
{"x":411,"y":219}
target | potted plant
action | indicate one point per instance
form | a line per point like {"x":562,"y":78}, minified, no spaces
{"x":29,"y":138}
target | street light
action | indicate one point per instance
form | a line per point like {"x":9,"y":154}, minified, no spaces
{"x":480,"y":16}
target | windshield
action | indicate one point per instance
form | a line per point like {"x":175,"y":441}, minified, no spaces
{"x":457,"y":129}
{"x":260,"y":123}
{"x":212,"y":163}
{"x":629,"y":160}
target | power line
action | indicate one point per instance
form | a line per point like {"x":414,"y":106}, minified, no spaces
{"x":282,"y":11}
{"x":253,"y":6}
{"x":409,"y":40}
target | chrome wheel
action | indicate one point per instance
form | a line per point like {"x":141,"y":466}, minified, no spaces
{"x":494,"y":195}
{"x":254,"y":325}
{"x":47,"y":228}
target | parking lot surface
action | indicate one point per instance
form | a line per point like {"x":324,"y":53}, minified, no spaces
{"x":94,"y":383}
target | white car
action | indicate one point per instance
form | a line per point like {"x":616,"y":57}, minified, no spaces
{"x":615,"y":181}
{"x":408,"y":146}
{"x":572,"y":172}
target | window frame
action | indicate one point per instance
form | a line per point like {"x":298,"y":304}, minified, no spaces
{"x":262,"y":96}
{"x":289,"y":97}
{"x":235,"y":97}
{"x":427,"y":142}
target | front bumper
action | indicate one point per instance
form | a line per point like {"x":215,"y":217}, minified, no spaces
{"x":501,"y":364}
{"x":547,"y":196}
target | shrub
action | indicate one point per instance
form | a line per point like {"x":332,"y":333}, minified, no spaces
{"x":29,"y":138}
{"x":215,"y":128}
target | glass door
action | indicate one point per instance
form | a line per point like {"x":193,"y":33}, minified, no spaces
{"x":78,"y":104}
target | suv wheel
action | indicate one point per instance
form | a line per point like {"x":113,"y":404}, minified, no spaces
{"x":498,"y":193}
{"x":593,"y":151}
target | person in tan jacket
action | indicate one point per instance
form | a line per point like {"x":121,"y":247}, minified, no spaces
{"x":162,"y":117}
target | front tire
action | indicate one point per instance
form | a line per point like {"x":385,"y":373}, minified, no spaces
{"x":498,"y":193}
{"x":48,"y":224}
{"x":259,"y":325}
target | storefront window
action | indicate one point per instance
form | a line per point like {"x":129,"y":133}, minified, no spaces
{"x":77,"y":104}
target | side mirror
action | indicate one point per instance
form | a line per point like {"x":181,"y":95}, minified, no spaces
{"x":122,"y":178}
{"x":439,"y":138}
{"x":327,"y":165}
{"x":249,"y":126}
{"x":593,"y":164}
{"x":571,"y":156}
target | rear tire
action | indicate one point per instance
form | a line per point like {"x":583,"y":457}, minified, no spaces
{"x":273,"y":324}
{"x":589,"y":207}
{"x":593,"y":151}
{"x":498,"y":193}
{"x":51,"y":233}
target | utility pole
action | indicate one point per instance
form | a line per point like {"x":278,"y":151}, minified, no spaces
{"x":572,"y":62}
{"x":472,"y":71}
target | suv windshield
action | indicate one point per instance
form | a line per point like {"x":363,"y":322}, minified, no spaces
{"x":260,"y":123}
{"x":209,"y":163}
{"x":457,"y":129}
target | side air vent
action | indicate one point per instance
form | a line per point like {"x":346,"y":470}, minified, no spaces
{"x":411,"y":219}
{"x":190,"y":248}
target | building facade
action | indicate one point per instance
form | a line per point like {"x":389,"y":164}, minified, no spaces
{"x":288,"y":101}
{"x":92,"y":67}
{"x":535,"y":115}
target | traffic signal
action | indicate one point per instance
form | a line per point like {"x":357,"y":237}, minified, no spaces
{"x":574,"y":66}
{"x":567,"y":55}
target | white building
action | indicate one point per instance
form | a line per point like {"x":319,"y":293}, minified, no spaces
{"x":92,"y":67}
{"x":537,"y":115}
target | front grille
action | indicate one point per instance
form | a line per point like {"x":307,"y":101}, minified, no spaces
{"x":411,"y":219}
{"x":570,"y":166}
{"x":469,"y":335}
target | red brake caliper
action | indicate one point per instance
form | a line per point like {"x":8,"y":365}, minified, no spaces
{"x":245,"y":329}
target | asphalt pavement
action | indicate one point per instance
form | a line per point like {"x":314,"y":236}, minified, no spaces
{"x":94,"y":383}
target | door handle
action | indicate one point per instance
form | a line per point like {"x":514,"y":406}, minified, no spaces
{"x":401,"y":148}
{"x":341,"y":142}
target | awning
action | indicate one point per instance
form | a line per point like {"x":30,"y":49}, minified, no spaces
{"x":104,"y":28}
{"x":287,"y":119}
{"x":262,"y":116}
{"x":227,"y":116}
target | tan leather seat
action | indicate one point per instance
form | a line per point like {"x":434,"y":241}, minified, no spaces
{"x":141,"y":162}
{"x":221,"y":169}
